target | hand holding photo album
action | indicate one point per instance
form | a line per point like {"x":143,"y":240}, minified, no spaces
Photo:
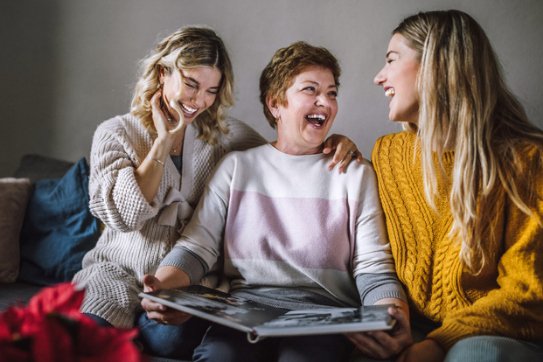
{"x":259,"y":320}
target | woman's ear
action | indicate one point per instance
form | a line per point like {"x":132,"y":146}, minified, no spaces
{"x":272,"y":106}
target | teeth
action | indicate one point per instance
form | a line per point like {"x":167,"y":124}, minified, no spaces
{"x":189,"y":109}
{"x":183,"y":107}
{"x":318,"y":117}
{"x":390,"y":92}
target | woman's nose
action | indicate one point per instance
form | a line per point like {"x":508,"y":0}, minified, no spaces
{"x":379,"y":78}
{"x":198,"y":98}
{"x":322,"y":100}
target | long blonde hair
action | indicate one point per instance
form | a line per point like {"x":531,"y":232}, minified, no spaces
{"x":465,"y":105}
{"x":186,"y":48}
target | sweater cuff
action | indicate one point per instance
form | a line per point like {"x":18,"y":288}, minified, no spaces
{"x":182,"y":258}
{"x":374,"y":287}
{"x":447,"y":336}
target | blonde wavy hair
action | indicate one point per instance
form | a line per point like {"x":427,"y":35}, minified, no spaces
{"x":465,"y":106}
{"x":188,"y":47}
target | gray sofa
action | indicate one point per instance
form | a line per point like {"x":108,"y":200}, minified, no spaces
{"x":34,"y":168}
{"x":42,"y":171}
{"x":44,"y":174}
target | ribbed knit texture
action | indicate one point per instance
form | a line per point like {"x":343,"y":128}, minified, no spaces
{"x":133,"y":243}
{"x":507,"y":297}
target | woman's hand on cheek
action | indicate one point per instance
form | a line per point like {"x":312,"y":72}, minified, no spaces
{"x":425,"y":350}
{"x":159,"y":118}
{"x":345,"y":151}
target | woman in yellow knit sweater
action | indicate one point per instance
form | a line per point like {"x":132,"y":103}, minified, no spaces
{"x":462,"y":191}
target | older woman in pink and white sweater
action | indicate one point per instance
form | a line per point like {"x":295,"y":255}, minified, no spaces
{"x":292,"y":237}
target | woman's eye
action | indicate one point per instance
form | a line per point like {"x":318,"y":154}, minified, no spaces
{"x":213,"y":92}
{"x":190,"y":85}
{"x":309,"y":89}
{"x":333,"y":94}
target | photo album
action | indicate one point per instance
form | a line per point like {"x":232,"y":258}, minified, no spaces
{"x":260,"y":321}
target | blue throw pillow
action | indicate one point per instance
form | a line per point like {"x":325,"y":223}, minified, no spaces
{"x":58,"y":228}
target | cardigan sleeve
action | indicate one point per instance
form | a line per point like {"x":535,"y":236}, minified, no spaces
{"x":515,"y":308}
{"x":115,"y":196}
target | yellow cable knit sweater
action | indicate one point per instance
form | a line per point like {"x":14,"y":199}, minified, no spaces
{"x":507,"y":297}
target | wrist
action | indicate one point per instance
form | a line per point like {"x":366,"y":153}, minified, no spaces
{"x":161,"y":148}
{"x":164,"y":142}
{"x":435,"y":346}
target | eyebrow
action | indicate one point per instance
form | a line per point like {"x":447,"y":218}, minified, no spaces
{"x":391,"y":52}
{"x":316,"y":83}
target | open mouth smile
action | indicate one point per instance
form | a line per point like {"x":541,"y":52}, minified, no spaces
{"x":188,"y":111}
{"x":390,"y":92}
{"x":317,"y":120}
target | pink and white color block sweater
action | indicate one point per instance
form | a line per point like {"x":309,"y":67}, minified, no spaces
{"x":282,"y":221}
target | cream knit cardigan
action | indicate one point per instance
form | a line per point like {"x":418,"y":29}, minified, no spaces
{"x":136,"y":238}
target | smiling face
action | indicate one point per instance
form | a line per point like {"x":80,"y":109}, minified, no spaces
{"x":399,"y":80}
{"x":194,"y":90}
{"x":309,"y":110}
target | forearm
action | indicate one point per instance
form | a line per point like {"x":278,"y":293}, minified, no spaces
{"x":149,"y":173}
{"x":181,"y":258}
{"x":114,"y":194}
{"x":172,"y":277}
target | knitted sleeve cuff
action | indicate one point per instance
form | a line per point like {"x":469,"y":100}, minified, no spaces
{"x":373,"y":287}
{"x":182,"y":258}
{"x":446,"y":336}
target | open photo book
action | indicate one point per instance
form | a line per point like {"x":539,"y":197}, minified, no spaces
{"x":260,"y":321}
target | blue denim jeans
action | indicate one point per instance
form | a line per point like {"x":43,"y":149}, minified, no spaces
{"x":485,"y":349}
{"x":494,"y":349}
{"x":225,"y":344}
{"x":170,"y":341}
{"x":99,"y":320}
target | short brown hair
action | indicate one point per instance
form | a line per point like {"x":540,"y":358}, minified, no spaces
{"x":285,"y":65}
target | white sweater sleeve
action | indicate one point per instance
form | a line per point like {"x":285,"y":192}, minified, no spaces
{"x":372,"y":253}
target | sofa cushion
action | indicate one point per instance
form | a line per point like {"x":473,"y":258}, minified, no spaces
{"x":14,"y":194}
{"x":18,"y":293}
{"x":37,"y":167}
{"x":58,"y":228}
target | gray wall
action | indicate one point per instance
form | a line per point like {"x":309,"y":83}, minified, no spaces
{"x":66,"y":65}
